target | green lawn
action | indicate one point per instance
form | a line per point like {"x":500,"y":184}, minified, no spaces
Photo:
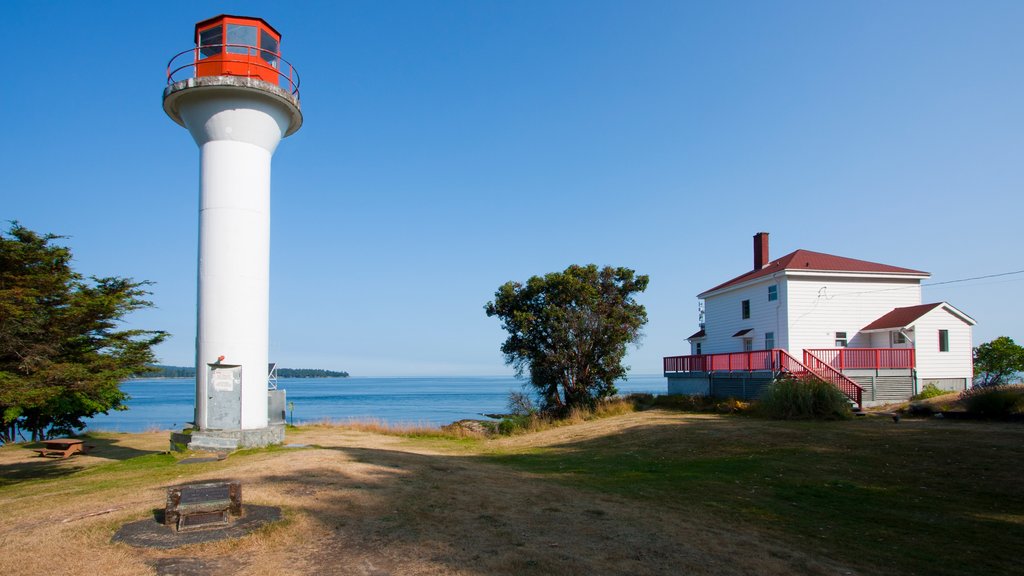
{"x":918,"y":497}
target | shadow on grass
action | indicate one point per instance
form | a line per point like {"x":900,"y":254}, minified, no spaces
{"x":398,"y":511}
{"x":114,"y":449}
{"x":44,"y":468}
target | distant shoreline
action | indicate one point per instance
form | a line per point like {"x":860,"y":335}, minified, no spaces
{"x":168,"y":371}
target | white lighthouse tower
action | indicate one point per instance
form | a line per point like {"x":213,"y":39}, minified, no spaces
{"x":238,"y":98}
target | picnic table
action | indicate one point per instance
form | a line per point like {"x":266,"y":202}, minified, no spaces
{"x":62,"y":447}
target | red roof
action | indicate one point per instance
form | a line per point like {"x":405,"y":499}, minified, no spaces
{"x":816,"y":261}
{"x":901,"y":317}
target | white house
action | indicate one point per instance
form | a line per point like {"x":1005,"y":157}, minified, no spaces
{"x":857,"y":324}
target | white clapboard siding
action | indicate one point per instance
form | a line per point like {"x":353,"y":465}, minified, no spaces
{"x":723,"y":317}
{"x":820,"y":306}
{"x":958,"y":362}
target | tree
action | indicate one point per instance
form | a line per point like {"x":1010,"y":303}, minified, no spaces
{"x":62,"y":354}
{"x":569,"y":331}
{"x":997,"y":361}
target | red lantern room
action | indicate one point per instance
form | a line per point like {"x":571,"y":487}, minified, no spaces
{"x":229,"y":45}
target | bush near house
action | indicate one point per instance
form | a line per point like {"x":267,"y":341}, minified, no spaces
{"x":686,"y":403}
{"x":995,"y":402}
{"x":930,"y":391}
{"x":808,"y":398}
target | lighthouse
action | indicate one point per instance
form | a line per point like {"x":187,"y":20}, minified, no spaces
{"x":238,"y":98}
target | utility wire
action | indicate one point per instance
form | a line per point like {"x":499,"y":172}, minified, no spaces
{"x":1001,"y":274}
{"x":975,"y":278}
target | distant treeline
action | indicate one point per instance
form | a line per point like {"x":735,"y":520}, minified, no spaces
{"x":161,"y":371}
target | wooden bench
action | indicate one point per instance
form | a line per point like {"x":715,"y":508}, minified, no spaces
{"x":62,"y":448}
{"x":206,"y":505}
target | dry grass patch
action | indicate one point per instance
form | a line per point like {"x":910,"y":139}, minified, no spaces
{"x":365,"y":503}
{"x":639,"y":493}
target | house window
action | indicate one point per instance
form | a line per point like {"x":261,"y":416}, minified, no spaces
{"x":745,"y":305}
{"x":748,"y":344}
{"x":697,"y":348}
{"x":897,"y":338}
{"x":769,"y":340}
{"x":840,"y":339}
{"x":773,"y":293}
{"x":943,"y":340}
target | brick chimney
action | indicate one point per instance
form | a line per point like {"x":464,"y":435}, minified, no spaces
{"x":760,"y":250}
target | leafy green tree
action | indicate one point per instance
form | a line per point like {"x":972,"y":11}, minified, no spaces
{"x":998,"y":361}
{"x":569,"y":330}
{"x":62,"y":354}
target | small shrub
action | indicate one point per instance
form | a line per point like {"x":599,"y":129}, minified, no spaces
{"x":641,"y":400}
{"x":612,"y":407}
{"x":680,"y":402}
{"x":929,"y":391}
{"x":538,"y":421}
{"x":807,"y":398}
{"x":994,"y":401}
{"x":731,"y":406}
{"x":516,"y":424}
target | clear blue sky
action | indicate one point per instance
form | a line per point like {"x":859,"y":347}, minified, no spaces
{"x":451,"y":146}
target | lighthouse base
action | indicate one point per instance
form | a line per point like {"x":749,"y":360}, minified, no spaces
{"x":227,"y":440}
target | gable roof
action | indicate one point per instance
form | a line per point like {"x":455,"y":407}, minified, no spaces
{"x":698,"y":334}
{"x":903,"y":317}
{"x":818,"y":262}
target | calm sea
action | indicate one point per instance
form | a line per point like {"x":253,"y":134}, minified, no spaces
{"x":168,"y":403}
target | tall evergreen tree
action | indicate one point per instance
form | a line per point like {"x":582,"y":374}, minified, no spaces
{"x":62,"y":352}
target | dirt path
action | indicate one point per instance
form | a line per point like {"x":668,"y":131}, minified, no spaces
{"x":369,"y":504}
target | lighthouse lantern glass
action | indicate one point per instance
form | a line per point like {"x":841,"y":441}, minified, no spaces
{"x":268,"y":45}
{"x":211,"y":41}
{"x":239,"y":34}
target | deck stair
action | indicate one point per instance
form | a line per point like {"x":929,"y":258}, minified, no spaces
{"x":822,"y":370}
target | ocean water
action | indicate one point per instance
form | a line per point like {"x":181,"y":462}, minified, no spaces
{"x":168,"y":403}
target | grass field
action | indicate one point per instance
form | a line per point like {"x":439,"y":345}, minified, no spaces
{"x":643,"y":493}
{"x":909,"y":498}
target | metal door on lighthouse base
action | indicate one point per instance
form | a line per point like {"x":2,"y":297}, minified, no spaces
{"x":224,"y":397}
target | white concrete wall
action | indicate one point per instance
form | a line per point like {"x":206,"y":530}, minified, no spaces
{"x":723,"y":318}
{"x":820,"y":306}
{"x":237,"y":133}
{"x":958,"y":362}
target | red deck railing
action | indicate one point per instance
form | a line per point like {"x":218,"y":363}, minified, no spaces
{"x":729,"y":362}
{"x":864,"y":358}
{"x":775,"y":360}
